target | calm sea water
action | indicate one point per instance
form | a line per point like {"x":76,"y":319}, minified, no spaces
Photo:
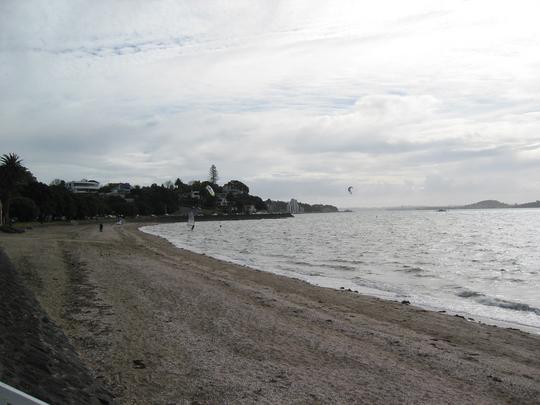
{"x":481,"y":263}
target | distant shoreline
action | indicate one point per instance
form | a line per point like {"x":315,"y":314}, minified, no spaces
{"x":149,"y":219}
{"x":453,"y":208}
{"x":184,"y":218}
{"x":481,"y":205}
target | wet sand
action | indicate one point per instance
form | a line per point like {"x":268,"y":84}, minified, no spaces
{"x":162,"y":325}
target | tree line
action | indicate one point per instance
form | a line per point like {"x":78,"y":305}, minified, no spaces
{"x":24,"y":198}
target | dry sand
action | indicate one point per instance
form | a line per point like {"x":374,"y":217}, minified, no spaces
{"x":160,"y":325}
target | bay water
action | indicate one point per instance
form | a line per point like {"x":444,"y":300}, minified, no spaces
{"x":483,"y":264}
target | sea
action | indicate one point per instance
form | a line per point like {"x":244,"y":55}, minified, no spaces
{"x":481,"y":264}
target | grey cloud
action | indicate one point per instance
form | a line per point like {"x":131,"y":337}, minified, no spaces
{"x":303,"y":189}
{"x":293,"y":97}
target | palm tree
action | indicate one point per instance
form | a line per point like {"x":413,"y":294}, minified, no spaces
{"x":12,"y":175}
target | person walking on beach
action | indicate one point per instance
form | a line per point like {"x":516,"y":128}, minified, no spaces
{"x":101,"y":227}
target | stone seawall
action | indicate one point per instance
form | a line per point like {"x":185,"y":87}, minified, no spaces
{"x":35,"y":355}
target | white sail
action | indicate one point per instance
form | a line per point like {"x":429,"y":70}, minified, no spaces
{"x":191,"y":219}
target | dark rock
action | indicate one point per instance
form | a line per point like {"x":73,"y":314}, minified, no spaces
{"x":406,"y":302}
{"x":138,"y":364}
{"x":494,"y":378}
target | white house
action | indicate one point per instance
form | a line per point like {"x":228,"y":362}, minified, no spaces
{"x":83,"y":186}
{"x":227,"y":188}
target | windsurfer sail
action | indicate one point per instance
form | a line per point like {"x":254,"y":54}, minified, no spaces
{"x":191,"y":219}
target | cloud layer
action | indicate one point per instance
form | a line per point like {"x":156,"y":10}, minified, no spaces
{"x":423,"y":103}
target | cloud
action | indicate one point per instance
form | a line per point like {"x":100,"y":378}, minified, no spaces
{"x":413,"y":102}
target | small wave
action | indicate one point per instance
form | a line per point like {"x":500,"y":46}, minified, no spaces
{"x":409,"y":269}
{"x":302,"y":263}
{"x":280,"y":255}
{"x":327,"y":265}
{"x":497,"y":302}
{"x":352,"y":261}
{"x":334,"y":266}
{"x":377,"y":285}
{"x":469,"y":294}
{"x":516,"y":306}
{"x":342,"y":267}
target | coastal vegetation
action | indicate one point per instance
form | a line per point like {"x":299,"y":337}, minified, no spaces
{"x":13,"y":175}
{"x":24,"y":198}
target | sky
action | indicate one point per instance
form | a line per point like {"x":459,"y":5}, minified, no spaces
{"x":411,"y":103}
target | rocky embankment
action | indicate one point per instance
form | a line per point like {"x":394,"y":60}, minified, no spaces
{"x":35,"y":355}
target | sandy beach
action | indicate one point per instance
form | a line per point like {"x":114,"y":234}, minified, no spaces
{"x":156,"y":324}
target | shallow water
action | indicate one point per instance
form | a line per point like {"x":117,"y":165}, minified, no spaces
{"x":481,"y":263}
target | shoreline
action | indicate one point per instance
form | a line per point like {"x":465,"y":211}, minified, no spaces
{"x":158,"y":323}
{"x":346,"y":286}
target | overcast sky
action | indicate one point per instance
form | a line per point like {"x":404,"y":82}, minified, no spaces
{"x":416,"y":102}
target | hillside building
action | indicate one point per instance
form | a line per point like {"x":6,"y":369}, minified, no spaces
{"x":83,"y":186}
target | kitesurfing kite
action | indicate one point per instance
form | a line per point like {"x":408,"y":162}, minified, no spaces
{"x":350,"y":189}
{"x":210,"y":191}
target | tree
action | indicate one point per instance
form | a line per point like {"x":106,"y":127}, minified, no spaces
{"x":168,"y":184}
{"x":41,"y":195}
{"x":12,"y":176}
{"x":213,"y":175}
{"x":58,"y":182}
{"x":196,"y":185}
{"x":24,"y":209}
{"x":63,"y":203}
{"x":236,"y":185}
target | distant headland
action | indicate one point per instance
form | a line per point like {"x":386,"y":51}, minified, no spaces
{"x":480,"y":205}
